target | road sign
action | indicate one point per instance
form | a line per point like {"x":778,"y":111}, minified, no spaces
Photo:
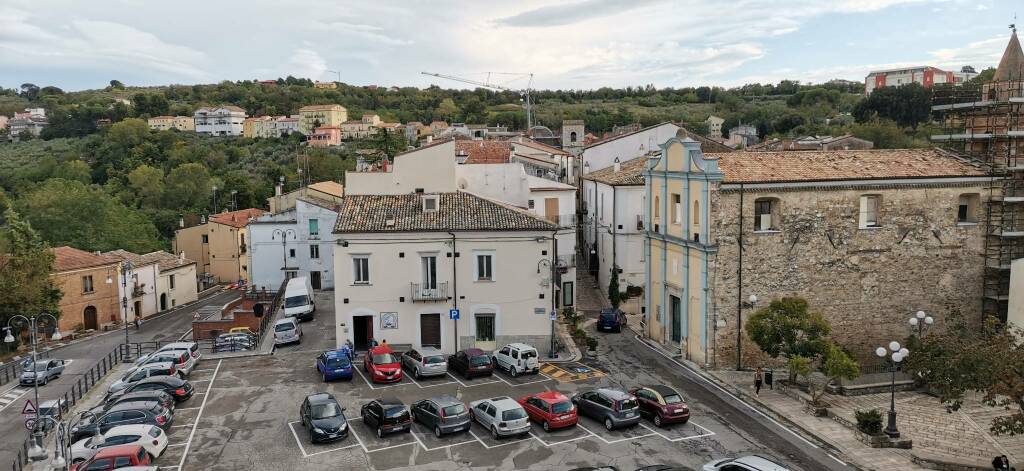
{"x":453,"y":314}
{"x":554,"y":315}
{"x":29,"y":409}
{"x":30,"y":424}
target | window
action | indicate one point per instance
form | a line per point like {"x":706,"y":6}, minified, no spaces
{"x":290,"y":274}
{"x":529,"y":204}
{"x":291,"y":253}
{"x":429,"y":265}
{"x":696,"y":213}
{"x":567,"y":293}
{"x":314,"y":227}
{"x":206,"y":239}
{"x":314,"y":251}
{"x":766,"y":214}
{"x":572,"y":136}
{"x":361,"y":270}
{"x":485,"y":267}
{"x":657,"y":208}
{"x":870,"y":206}
{"x":430,"y":204}
{"x":677,"y":209}
{"x":87,"y":284}
{"x":170,"y":281}
{"x":967,"y":211}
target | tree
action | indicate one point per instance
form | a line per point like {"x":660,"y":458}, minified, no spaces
{"x":908,"y":105}
{"x":29,"y":91}
{"x":25,"y":284}
{"x":446,"y":110}
{"x":188,"y":187}
{"x":75,"y":170}
{"x":614,"y":296}
{"x":148,"y":184}
{"x":116,"y":85}
{"x":787,"y":328}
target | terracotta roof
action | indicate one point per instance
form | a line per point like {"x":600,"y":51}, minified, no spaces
{"x":162,"y":117}
{"x":319,"y":107}
{"x":484,"y":152}
{"x":631,"y":173}
{"x":167,"y":261}
{"x":458,"y":211}
{"x":329,"y":187}
{"x":136,"y":259}
{"x":69,"y":258}
{"x":236,"y":219}
{"x":1011,"y":66}
{"x":706,"y":145}
{"x":541,"y":147}
{"x":809,"y":166}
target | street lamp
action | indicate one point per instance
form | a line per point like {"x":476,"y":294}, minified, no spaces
{"x":125,"y":269}
{"x":36,"y":451}
{"x":749,"y":304}
{"x":921,"y":320}
{"x":234,"y":201}
{"x":214,"y":199}
{"x":896,"y":355}
{"x":284,"y":246}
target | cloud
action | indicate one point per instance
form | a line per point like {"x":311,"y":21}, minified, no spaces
{"x":987,"y":51}
{"x":375,"y":35}
{"x":306,"y":62}
{"x":568,"y":13}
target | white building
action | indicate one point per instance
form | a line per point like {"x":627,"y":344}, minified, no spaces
{"x":602,"y":154}
{"x":32,"y":121}
{"x":176,"y":280}
{"x":140,"y":290}
{"x":714,"y":126}
{"x":226,"y":120}
{"x":294,"y":242}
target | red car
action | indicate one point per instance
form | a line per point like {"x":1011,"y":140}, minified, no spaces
{"x":551,"y":408}
{"x":661,"y":404}
{"x":114,"y":457}
{"x":382,"y":365}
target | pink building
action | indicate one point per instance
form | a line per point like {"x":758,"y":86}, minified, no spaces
{"x":325,"y":136}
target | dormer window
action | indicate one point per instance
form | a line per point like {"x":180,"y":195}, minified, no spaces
{"x":430,"y":203}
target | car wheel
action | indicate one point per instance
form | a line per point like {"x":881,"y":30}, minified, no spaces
{"x":437,"y":431}
{"x":657,"y":420}
{"x":547,"y":426}
{"x":324,"y":376}
{"x":417,"y":374}
{"x":380,"y":432}
{"x":513,"y":372}
{"x":608,"y":425}
{"x":494,"y":433}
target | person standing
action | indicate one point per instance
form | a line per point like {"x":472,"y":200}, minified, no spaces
{"x":758,"y":380}
{"x":1001,"y":463}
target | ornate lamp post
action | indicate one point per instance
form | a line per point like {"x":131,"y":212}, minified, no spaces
{"x":921,"y":320}
{"x":36,"y":451}
{"x":126,"y":269}
{"x":896,"y":355}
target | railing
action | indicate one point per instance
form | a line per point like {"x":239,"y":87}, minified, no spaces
{"x":138,"y":291}
{"x":423,"y":292}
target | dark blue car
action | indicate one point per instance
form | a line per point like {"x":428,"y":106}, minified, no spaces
{"x":611,"y":320}
{"x":335,"y":364}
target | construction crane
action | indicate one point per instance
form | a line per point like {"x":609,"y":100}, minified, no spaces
{"x":525,"y":93}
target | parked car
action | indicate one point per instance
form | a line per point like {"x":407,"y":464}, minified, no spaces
{"x":550,"y":408}
{"x":386,"y":415}
{"x":181,"y":359}
{"x":611,"y":320}
{"x":162,"y":397}
{"x":242,"y":330}
{"x":178,"y":388}
{"x":115,"y":457}
{"x":55,"y":409}
{"x":382,"y":365}
{"x":427,"y":361}
{"x":323,"y":418}
{"x":442,"y":414}
{"x":41,"y":372}
{"x":287,"y":331}
{"x":140,"y":373}
{"x":192,"y":347}
{"x":745,"y":463}
{"x":238,"y":342}
{"x":471,"y":362}
{"x":334,"y":364}
{"x":151,"y":438}
{"x":661,"y":404}
{"x":612,"y":407}
{"x":517,"y":358}
{"x":125,"y":413}
{"x":503,"y":416}
{"x":664,"y":467}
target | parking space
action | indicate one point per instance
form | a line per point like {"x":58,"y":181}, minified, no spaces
{"x":521,"y":379}
{"x":477,"y":381}
{"x":617,"y":435}
{"x":367,"y":437}
{"x":308,"y":448}
{"x":483,"y":436}
{"x":679,"y":432}
{"x":560,"y":436}
{"x":426,"y":439}
{"x":571,"y":372}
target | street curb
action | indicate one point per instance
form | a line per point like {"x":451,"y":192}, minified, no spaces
{"x":566,"y":339}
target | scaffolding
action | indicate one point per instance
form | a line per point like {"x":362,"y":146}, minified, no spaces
{"x":985,"y":123}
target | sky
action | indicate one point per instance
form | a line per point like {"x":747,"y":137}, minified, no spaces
{"x":575,"y":44}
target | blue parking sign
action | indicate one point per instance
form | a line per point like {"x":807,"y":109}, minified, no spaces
{"x":453,"y":314}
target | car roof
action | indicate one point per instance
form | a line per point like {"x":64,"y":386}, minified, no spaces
{"x":662,"y":389}
{"x":473,"y":352}
{"x":504,"y":402}
{"x":155,"y":365}
{"x":551,"y":396}
{"x":160,"y":379}
{"x":444,"y":400}
{"x":51,"y":403}
{"x":320,"y":398}
{"x":134,"y":405}
{"x":391,"y":401}
{"x":176,"y":345}
{"x":615,"y":394}
{"x":430,"y":351}
{"x":521,"y":346}
{"x":117,"y":450}
{"x":130,"y":429}
{"x":126,"y":397}
{"x":339,"y":353}
{"x":381,"y":349}
{"x":760,"y":463}
{"x":286,"y":320}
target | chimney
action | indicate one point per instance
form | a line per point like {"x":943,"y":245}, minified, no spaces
{"x":618,"y":166}
{"x":181,"y":256}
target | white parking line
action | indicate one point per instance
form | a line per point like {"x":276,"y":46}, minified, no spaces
{"x":617,"y":440}
{"x":707,"y":433}
{"x":297,"y":442}
{"x":175,"y":445}
{"x":370,"y":383}
{"x":456,"y":378}
{"x":305,"y":454}
{"x":503,"y":444}
{"x":551,"y":444}
{"x":185,"y":408}
{"x":442,"y":447}
{"x":184,"y":425}
{"x":515,"y":385}
{"x":195,"y":423}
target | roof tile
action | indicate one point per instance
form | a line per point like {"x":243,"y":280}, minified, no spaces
{"x":459,"y":211}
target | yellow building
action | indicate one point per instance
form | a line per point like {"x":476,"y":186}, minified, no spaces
{"x":218,"y":246}
{"x":163,"y":123}
{"x":326,"y":85}
{"x":315,"y":116}
{"x":260,"y":126}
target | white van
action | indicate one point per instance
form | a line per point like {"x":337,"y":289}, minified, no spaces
{"x":298,"y":299}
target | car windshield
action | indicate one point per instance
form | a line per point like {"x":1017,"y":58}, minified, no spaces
{"x":338,"y":363}
{"x":627,"y":404}
{"x":41,"y":366}
{"x":324,"y":411}
{"x":296,"y":301}
{"x":560,"y":407}
{"x":673,"y":399}
{"x":384,"y":358}
{"x":608,"y":315}
{"x":527,"y":354}
{"x":454,"y":410}
{"x":284,"y":327}
{"x":396,"y":412}
{"x":480,"y":360}
{"x":513,"y":414}
{"x":434,"y":360}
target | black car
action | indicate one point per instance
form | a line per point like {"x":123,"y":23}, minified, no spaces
{"x":125,"y":413}
{"x":323,"y":417}
{"x":611,"y":319}
{"x":178,"y":388}
{"x":471,"y":362}
{"x":160,"y":396}
{"x":387,"y":415}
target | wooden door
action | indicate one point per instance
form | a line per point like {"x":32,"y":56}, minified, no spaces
{"x":551,"y":209}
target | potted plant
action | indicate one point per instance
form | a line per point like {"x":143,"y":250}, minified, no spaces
{"x":869,"y":427}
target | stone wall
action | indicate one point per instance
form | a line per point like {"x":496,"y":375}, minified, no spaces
{"x":867,"y":282}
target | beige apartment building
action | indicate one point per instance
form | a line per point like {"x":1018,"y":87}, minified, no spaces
{"x":90,"y":292}
{"x":218,"y":246}
{"x":181,"y":123}
{"x":315,"y":116}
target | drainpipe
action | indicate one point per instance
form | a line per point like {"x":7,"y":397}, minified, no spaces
{"x":556,"y":280}
{"x":739,"y":290}
{"x":615,"y":235}
{"x":455,"y":290}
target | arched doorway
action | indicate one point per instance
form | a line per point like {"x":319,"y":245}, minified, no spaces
{"x":90,"y":319}
{"x":163,"y":301}
{"x":138,"y":310}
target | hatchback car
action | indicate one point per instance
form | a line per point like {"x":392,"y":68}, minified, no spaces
{"x":323,"y":418}
{"x":382,"y":365}
{"x":180,"y":358}
{"x":517,"y":358}
{"x":442,"y":414}
{"x":41,"y":372}
{"x":386,"y":415}
{"x":192,"y":347}
{"x":549,"y":408}
{"x":502,"y":416}
{"x":661,"y":404}
{"x":115,"y":457}
{"x":162,"y":397}
{"x":612,"y":407}
{"x":745,"y":463}
{"x":140,"y":373}
{"x":178,"y":388}
{"x":125,"y":413}
{"x":153,"y":439}
{"x":471,"y":362}
{"x":427,"y":361}
{"x":287,"y":331}
{"x":334,"y":364}
{"x":611,"y":320}
{"x":55,"y":409}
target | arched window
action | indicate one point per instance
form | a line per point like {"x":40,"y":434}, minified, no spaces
{"x":766,"y":214}
{"x":657,"y":208}
{"x":572,"y":136}
{"x":696,"y":213}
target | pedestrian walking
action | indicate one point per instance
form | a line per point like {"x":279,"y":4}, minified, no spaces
{"x":1001,"y":463}
{"x":137,"y":322}
{"x":758,"y":380}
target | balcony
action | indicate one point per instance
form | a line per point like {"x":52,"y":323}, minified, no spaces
{"x":138,"y":291}
{"x":423,"y":292}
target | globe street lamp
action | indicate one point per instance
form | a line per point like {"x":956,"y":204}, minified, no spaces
{"x":284,"y":246}
{"x":896,"y":355}
{"x":921,"y":320}
{"x":125,"y":269}
{"x":36,"y":451}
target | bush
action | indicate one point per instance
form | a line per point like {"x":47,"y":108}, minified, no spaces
{"x":869,"y":421}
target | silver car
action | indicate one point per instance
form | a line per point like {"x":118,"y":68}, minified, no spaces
{"x":427,"y":361}
{"x":140,"y":373}
{"x":442,"y":414}
{"x":287,"y":331}
{"x":503,"y":416}
{"x":612,"y":407}
{"x":41,"y":372}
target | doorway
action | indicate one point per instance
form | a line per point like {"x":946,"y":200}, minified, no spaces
{"x":551,"y":209}
{"x":485,"y":332}
{"x":90,"y":319}
{"x":314,"y":279}
{"x":677,"y":323}
{"x":430,"y":330}
{"x":362,"y":331}
{"x":138,"y":309}
{"x":163,"y":301}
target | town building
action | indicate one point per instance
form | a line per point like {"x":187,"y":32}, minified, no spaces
{"x":844,"y":142}
{"x":90,"y":298}
{"x":286,"y":125}
{"x":3,"y":122}
{"x":315,"y":116}
{"x":326,"y":85}
{"x":714,"y":126}
{"x":224,"y":120}
{"x":324,"y":136}
{"x":219,"y":247}
{"x":360,"y":129}
{"x":32,"y":121}
{"x":925,"y":75}
{"x":542,"y":160}
{"x":325,"y":190}
{"x":297,"y":241}
{"x":177,"y":280}
{"x":164,"y":123}
{"x":742,"y":136}
{"x":414,"y":131}
{"x":868,"y":237}
{"x":625,"y":146}
{"x":140,"y":290}
{"x":437,"y":127}
{"x":573,"y":133}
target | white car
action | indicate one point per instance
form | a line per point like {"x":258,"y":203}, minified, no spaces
{"x":150,"y":437}
{"x":502,"y":416}
{"x":516,"y":358}
{"x":745,"y":463}
{"x":192,"y":347}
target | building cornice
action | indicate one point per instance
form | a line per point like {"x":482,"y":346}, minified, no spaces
{"x":893,"y":184}
{"x":710,"y":249}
